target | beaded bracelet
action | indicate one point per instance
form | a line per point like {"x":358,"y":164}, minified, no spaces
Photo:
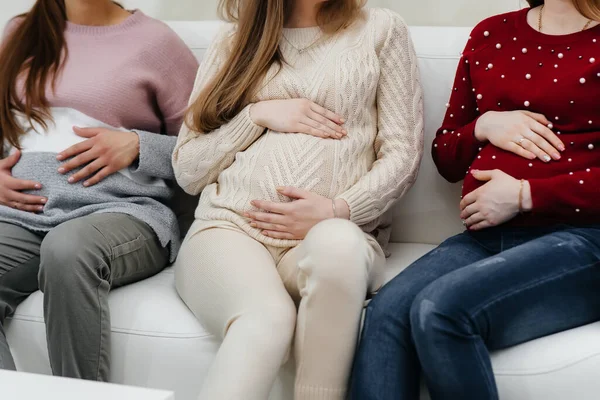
{"x":334,"y":208}
{"x":521,"y":196}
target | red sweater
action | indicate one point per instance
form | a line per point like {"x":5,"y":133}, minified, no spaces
{"x":507,"y":65}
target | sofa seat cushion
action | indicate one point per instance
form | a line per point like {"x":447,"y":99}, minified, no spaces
{"x":157,"y":342}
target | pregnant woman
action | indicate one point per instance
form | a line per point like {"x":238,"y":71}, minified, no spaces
{"x":523,"y":130}
{"x":83,"y":198}
{"x":305,"y":127}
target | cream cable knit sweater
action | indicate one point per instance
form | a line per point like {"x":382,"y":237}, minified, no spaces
{"x":368,"y":74}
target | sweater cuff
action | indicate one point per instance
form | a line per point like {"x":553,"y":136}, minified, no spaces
{"x":155,"y":155}
{"x":242,"y":127}
{"x":541,"y":196}
{"x":469,"y":134}
{"x":361,"y":204}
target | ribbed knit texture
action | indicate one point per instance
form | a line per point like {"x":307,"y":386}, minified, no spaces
{"x":368,"y":74}
{"x":508,"y":65}
{"x":136,"y":75}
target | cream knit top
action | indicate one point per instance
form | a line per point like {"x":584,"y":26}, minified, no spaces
{"x":367,"y":74}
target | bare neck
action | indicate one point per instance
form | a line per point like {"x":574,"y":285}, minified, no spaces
{"x":95,"y":12}
{"x":560,"y":17}
{"x":304,"y":14}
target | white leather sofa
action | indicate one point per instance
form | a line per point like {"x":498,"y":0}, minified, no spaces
{"x":158,"y":343}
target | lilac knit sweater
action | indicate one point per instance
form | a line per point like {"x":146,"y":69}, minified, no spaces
{"x":138,"y":76}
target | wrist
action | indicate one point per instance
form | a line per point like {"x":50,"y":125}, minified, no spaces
{"x":341,"y":209}
{"x":135,"y":143}
{"x":255,"y":114}
{"x":526,"y":200}
{"x":478,"y":132}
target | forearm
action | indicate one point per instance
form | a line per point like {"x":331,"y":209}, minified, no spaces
{"x":199,"y":158}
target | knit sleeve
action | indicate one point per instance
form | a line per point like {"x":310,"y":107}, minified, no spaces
{"x":399,"y":140}
{"x":455,"y":146}
{"x":175,"y":67}
{"x":200,"y":157}
{"x":567,"y":195}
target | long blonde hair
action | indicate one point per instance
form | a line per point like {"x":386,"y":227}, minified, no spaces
{"x":254,"y":49}
{"x":588,"y":8}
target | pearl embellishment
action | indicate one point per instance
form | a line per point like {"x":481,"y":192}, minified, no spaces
{"x":591,"y":146}
{"x":524,"y":50}
{"x":582,"y":81}
{"x":486,"y":34}
{"x":527,"y":104}
{"x":592,"y":60}
{"x":560,"y":55}
{"x":479,"y":97}
{"x":528,"y":76}
{"x":498,"y":46}
{"x":530,"y":165}
{"x":490,"y":66}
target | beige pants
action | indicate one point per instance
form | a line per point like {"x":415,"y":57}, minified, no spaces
{"x":256,"y":297}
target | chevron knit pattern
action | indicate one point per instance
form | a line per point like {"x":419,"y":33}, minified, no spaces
{"x":368,"y":74}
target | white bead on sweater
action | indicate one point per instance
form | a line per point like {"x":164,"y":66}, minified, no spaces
{"x":368,"y":74}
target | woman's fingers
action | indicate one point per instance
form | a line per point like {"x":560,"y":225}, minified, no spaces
{"x":340,"y":132}
{"x":77,"y":162}
{"x":25,"y":199}
{"x":327,"y":114}
{"x":29,"y":208}
{"x":266,"y":217}
{"x":88,"y":170}
{"x":326,"y":130}
{"x":540,"y":118}
{"x":21,"y":184}
{"x":474,"y":219}
{"x":520,"y":151}
{"x":481,"y":225}
{"x":278,"y":235}
{"x":99,"y":177}
{"x":306,"y":127}
{"x":468,"y":211}
{"x":532,"y":147}
{"x":265,"y":226}
{"x":546,"y":140}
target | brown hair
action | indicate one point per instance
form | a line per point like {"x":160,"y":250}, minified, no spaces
{"x":35,"y":47}
{"x":588,"y":8}
{"x":254,"y":49}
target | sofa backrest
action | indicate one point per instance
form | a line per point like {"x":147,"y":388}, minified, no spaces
{"x":429,"y":213}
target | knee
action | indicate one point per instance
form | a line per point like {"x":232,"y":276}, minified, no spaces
{"x":335,"y":250}
{"x":71,"y":253}
{"x":437,"y":310}
{"x":270,"y":327}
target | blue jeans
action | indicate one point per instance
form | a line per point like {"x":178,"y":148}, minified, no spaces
{"x":475,"y":293}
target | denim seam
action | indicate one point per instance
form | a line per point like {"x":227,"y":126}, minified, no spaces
{"x":474,"y":314}
{"x":491,"y":385}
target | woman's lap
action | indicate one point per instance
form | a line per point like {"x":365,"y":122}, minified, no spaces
{"x":502,"y":286}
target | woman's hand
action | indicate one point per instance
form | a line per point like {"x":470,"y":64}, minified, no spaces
{"x":495,"y":202}
{"x":103,"y":153}
{"x":524,"y":133}
{"x":11,"y":188}
{"x":293,"y":220}
{"x":298,"y":116}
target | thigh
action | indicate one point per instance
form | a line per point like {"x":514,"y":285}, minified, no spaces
{"x":542,"y":287}
{"x":455,"y":253}
{"x":19,"y":265}
{"x":120,"y":247}
{"x":374,"y":255}
{"x":222,"y":274}
{"x":17,"y":246}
